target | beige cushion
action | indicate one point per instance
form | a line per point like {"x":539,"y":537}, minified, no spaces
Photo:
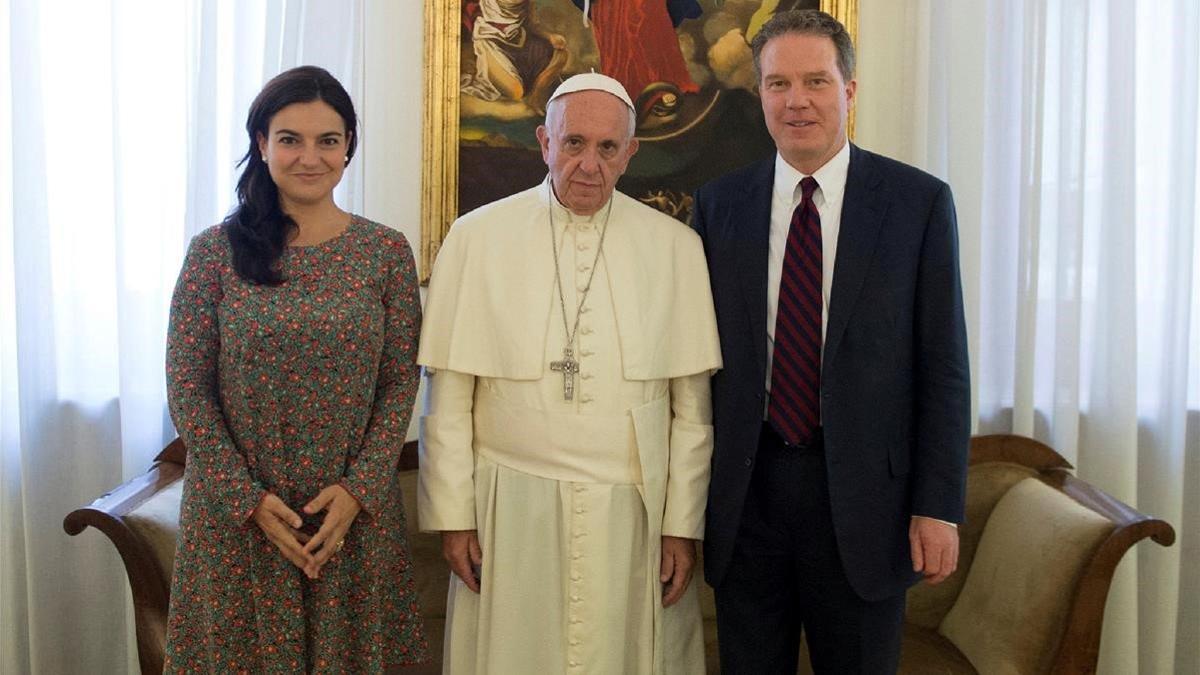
{"x":156,"y":521}
{"x":986,"y":484}
{"x":1013,"y":606}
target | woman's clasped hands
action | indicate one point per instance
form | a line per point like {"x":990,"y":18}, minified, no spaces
{"x":282,"y":526}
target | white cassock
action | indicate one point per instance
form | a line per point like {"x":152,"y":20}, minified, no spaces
{"x":570,"y":497}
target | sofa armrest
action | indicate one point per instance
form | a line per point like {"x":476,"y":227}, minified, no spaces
{"x":149,"y":583}
{"x":1034,"y":596}
{"x":1080,"y":647}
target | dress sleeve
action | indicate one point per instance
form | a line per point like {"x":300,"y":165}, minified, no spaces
{"x":371,"y":472}
{"x":446,"y":486}
{"x":215,"y":466}
{"x":691,"y":455}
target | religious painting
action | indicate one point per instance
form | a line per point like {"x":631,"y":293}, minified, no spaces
{"x":491,"y":65}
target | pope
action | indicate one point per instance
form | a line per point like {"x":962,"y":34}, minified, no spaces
{"x":568,"y":343}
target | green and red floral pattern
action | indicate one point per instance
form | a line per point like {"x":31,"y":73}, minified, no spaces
{"x":287,"y":390}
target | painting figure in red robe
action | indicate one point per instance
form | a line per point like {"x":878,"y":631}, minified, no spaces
{"x":638,"y":48}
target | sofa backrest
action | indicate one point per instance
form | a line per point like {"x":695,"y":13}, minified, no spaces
{"x":987,"y":482}
{"x":1014,"y":604}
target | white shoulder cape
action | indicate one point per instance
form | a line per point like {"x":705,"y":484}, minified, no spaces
{"x":489,"y":304}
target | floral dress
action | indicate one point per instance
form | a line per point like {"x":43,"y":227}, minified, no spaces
{"x":289,"y":389}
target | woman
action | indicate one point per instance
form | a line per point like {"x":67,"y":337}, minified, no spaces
{"x":291,"y":378}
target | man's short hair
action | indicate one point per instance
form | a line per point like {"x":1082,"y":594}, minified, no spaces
{"x":806,"y":22}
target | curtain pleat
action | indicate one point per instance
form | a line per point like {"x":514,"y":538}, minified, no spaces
{"x":1070,"y":139}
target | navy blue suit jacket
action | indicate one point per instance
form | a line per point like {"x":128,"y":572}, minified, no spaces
{"x":895,"y":392}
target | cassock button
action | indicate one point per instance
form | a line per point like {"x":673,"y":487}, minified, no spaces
{"x":749,"y":461}
{"x":586,"y":330}
{"x":585,"y":309}
{"x":579,"y":509}
{"x":581,"y":246}
{"x":583,"y":267}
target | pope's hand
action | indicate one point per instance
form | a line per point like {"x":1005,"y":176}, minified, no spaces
{"x":461,"y":549}
{"x":678,"y":561}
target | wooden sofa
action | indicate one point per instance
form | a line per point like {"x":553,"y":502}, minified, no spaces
{"x":1038,"y":553}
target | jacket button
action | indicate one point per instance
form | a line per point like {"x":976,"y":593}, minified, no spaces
{"x":749,"y":461}
{"x":826,"y":396}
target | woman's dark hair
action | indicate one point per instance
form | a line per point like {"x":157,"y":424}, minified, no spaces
{"x":257,"y":228}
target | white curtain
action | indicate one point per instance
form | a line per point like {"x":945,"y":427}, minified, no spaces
{"x":1069,"y":132}
{"x":120,"y":123}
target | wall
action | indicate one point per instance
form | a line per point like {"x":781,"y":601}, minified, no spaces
{"x":391,"y":123}
{"x":391,"y":116}
{"x":927,"y":110}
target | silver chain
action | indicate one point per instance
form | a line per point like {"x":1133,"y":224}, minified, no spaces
{"x":558,"y":274}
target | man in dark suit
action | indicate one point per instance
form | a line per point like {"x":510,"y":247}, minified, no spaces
{"x":842,"y":414}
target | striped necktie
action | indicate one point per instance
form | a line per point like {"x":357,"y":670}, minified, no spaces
{"x":794,"y":410}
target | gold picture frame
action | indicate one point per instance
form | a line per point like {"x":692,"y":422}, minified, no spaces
{"x":441,"y":139}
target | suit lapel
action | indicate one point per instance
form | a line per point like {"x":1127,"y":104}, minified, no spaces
{"x":863,"y":208}
{"x":751,"y":218}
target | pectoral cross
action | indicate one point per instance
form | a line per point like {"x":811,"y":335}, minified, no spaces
{"x":568,"y":367}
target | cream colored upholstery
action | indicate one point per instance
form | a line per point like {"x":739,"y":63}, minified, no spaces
{"x":1013,"y":607}
{"x":156,"y":521}
{"x":986,"y":484}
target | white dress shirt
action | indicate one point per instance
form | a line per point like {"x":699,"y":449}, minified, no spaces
{"x":785,"y":197}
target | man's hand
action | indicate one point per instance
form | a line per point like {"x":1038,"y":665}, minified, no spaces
{"x":934,"y":548}
{"x":461,"y":549}
{"x":281,"y":525}
{"x":341,"y":508}
{"x":678,"y":561}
